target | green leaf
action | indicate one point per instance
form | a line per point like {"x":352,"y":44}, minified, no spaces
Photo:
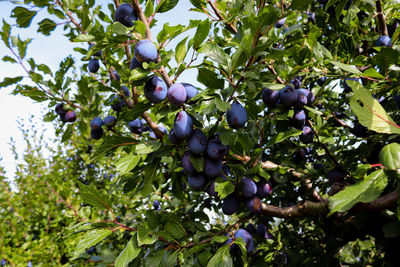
{"x":5,"y":33}
{"x":9,"y":81}
{"x":46,"y":26}
{"x":198,"y":162}
{"x":198,"y":3}
{"x":23,"y":16}
{"x":149,"y":8}
{"x":120,"y":29}
{"x":174,"y":229}
{"x":180,"y":51}
{"x":365,"y":191}
{"x":224,"y":188}
{"x":300,"y":4}
{"x":84,"y":38}
{"x":390,"y":156}
{"x":373,"y":73}
{"x":112,"y":143}
{"x":90,"y":239}
{"x":214,"y":52}
{"x":92,"y":196}
{"x":147,"y":147}
{"x":145,"y":236}
{"x":346,"y":67}
{"x":203,"y":29}
{"x":287,"y":134}
{"x":127,"y":163}
{"x":130,"y":252}
{"x":222,"y":258}
{"x":150,"y":172}
{"x":166,"y":5}
{"x":369,"y":112}
{"x":210,"y":79}
{"x":8,"y":59}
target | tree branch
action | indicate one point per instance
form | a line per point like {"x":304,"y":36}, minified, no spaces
{"x":381,"y":18}
{"x":216,"y":11}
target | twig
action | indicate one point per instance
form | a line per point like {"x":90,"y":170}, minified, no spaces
{"x":229,"y":25}
{"x":381,"y":18}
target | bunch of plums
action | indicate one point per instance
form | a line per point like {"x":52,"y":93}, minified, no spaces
{"x":96,"y":124}
{"x":65,"y":115}
{"x":290,"y":97}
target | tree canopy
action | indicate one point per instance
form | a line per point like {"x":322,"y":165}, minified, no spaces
{"x":281,"y":149}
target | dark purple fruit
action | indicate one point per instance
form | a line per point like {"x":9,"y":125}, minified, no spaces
{"x":230,"y":204}
{"x":212,"y":167}
{"x":191,"y":91}
{"x":197,"y":181}
{"x":384,"y":41}
{"x":60,"y":109}
{"x":299,"y":119}
{"x":247,"y":239}
{"x":172,"y":138}
{"x":310,"y":96}
{"x":270,"y":97}
{"x":288,"y":96}
{"x":98,"y":53}
{"x":125,"y":14}
{"x":109,"y":121}
{"x":96,"y":123}
{"x":177,"y":94}
{"x":215,"y":149}
{"x":253,"y":204}
{"x":134,"y":64}
{"x":250,"y":228}
{"x":136,"y":126}
{"x":96,"y":133}
{"x":335,"y":176}
{"x":307,"y":136}
{"x":146,"y":51}
{"x":155,"y":90}
{"x":321,"y":81}
{"x":296,"y":83}
{"x":280,"y":23}
{"x":183,"y":125}
{"x":156,"y":205}
{"x":236,"y":116}
{"x":70,"y":116}
{"x":94,"y":65}
{"x":264,"y":189}
{"x":186,"y":163}
{"x":247,"y":187}
{"x":197,"y":142}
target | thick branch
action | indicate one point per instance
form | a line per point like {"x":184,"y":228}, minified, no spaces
{"x":229,"y":25}
{"x":381,"y":18}
{"x":302,"y":209}
{"x":381,"y":203}
{"x":143,"y":18}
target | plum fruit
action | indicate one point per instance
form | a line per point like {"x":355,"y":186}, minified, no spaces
{"x":230,"y":204}
{"x":264,"y":189}
{"x":280,"y":23}
{"x":70,"y":116}
{"x":96,"y":123}
{"x":307,"y":136}
{"x":288,"y":96}
{"x":212,"y":167}
{"x":299,"y":119}
{"x":94,"y":65}
{"x":321,"y":81}
{"x":183,"y":125}
{"x":197,"y":181}
{"x":156,"y":205}
{"x":253,"y":204}
{"x":215,"y":148}
{"x":335,"y":176}
{"x":172,"y":137}
{"x":236,"y":116}
{"x":136,"y":126}
{"x":146,"y":51}
{"x":96,"y":133}
{"x":186,"y":163}
{"x":247,"y":239}
{"x":125,"y":14}
{"x":177,"y":94}
{"x":251,"y":228}
{"x":155,"y":90}
{"x":197,"y":142}
{"x":247,"y":187}
{"x":109,"y":121}
{"x":134,"y":64}
{"x":191,"y":91}
{"x":60,"y":109}
{"x":98,"y":53}
{"x":270,"y":97}
{"x":384,"y":41}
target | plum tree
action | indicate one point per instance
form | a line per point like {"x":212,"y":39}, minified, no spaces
{"x":244,"y":123}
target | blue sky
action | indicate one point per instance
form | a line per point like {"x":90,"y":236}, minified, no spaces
{"x":50,"y":51}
